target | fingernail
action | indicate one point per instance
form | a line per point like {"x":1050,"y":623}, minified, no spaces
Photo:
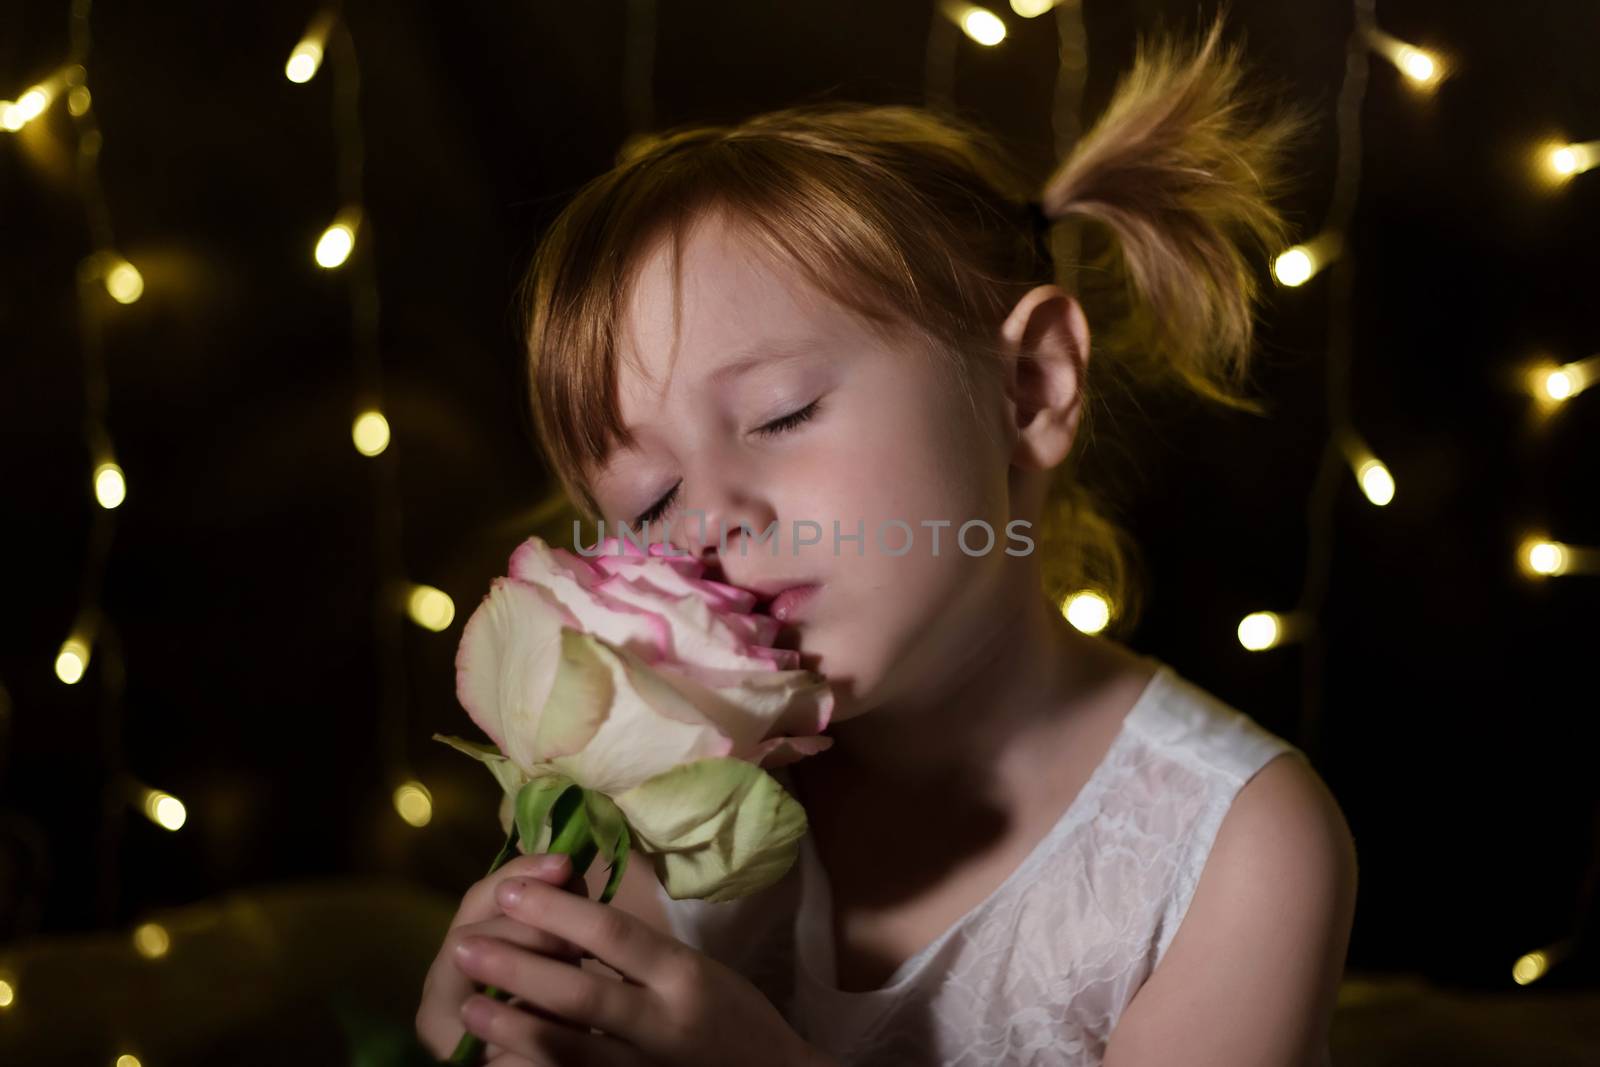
{"x":510,"y":892}
{"x":551,"y":861}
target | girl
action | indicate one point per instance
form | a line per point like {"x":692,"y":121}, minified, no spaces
{"x":817,"y":341}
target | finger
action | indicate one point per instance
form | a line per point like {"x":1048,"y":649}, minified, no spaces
{"x":571,"y":994}
{"x":625,"y":943}
{"x":528,"y":1039}
{"x":517,"y":932}
{"x":438,"y":1022}
{"x":478,"y":902}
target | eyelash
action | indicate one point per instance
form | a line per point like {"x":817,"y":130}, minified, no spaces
{"x":782,"y":424}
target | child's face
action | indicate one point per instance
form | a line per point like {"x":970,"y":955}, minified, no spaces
{"x":890,"y":438}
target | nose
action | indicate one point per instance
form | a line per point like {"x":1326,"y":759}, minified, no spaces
{"x":730,"y":512}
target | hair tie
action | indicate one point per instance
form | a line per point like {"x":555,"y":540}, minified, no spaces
{"x":1037,"y":217}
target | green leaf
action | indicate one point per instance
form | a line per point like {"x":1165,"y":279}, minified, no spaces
{"x":534,"y":802}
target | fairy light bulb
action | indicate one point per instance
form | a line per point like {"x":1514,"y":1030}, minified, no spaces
{"x":335,"y":245}
{"x":1087,"y":611}
{"x":151,"y":940}
{"x":370,"y":432}
{"x":983,"y":26}
{"x":306,"y":59}
{"x":124,"y":282}
{"x":110,"y":485}
{"x":1376,"y":482}
{"x":430,"y":608}
{"x":1417,"y":65}
{"x":1293,"y":267}
{"x":1260,"y":630}
{"x":72,"y":660}
{"x":1545,"y":557}
{"x":414,"y":803}
{"x":31,"y":104}
{"x":1530,"y":968}
{"x":163,"y":809}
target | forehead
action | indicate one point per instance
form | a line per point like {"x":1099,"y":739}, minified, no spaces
{"x":725,"y":298}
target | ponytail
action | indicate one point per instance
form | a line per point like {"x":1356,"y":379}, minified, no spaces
{"x":1183,"y":178}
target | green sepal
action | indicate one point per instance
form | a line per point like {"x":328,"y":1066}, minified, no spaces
{"x":610,"y":831}
{"x":534,"y":802}
{"x":508,"y":774}
{"x":618,"y":865}
{"x":569,"y":828}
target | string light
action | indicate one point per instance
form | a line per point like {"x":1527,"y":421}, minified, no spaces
{"x":1029,"y":9}
{"x":1344,"y":453}
{"x":105,"y":279}
{"x":348,"y":242}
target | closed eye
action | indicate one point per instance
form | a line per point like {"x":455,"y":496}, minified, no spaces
{"x":777,"y":426}
{"x":789,"y":421}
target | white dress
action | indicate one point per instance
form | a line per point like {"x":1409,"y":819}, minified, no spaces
{"x":1038,"y":973}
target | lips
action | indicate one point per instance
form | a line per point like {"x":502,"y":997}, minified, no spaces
{"x":787,"y":604}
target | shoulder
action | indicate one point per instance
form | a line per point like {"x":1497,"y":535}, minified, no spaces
{"x":1268,"y":925}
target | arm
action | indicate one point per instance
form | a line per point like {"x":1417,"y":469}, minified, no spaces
{"x":1251,"y":976}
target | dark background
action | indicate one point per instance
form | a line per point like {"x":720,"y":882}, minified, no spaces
{"x":1457,"y":695}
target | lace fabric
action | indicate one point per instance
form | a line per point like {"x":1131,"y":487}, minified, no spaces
{"x":1037,"y":974}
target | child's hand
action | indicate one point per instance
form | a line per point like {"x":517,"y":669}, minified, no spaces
{"x":446,"y":987}
{"x":675,"y":1006}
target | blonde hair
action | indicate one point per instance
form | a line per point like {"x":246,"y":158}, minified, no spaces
{"x":918,"y":220}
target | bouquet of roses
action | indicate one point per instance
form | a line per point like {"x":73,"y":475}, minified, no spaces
{"x":633,"y":705}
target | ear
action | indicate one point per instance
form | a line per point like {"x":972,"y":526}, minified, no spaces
{"x":1046,"y":340}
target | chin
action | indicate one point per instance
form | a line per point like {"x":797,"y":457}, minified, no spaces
{"x":840,"y":661}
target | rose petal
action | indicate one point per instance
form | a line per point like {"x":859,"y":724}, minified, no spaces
{"x":506,"y":664}
{"x":780,"y":751}
{"x":646,"y":727}
{"x":715,"y":829}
